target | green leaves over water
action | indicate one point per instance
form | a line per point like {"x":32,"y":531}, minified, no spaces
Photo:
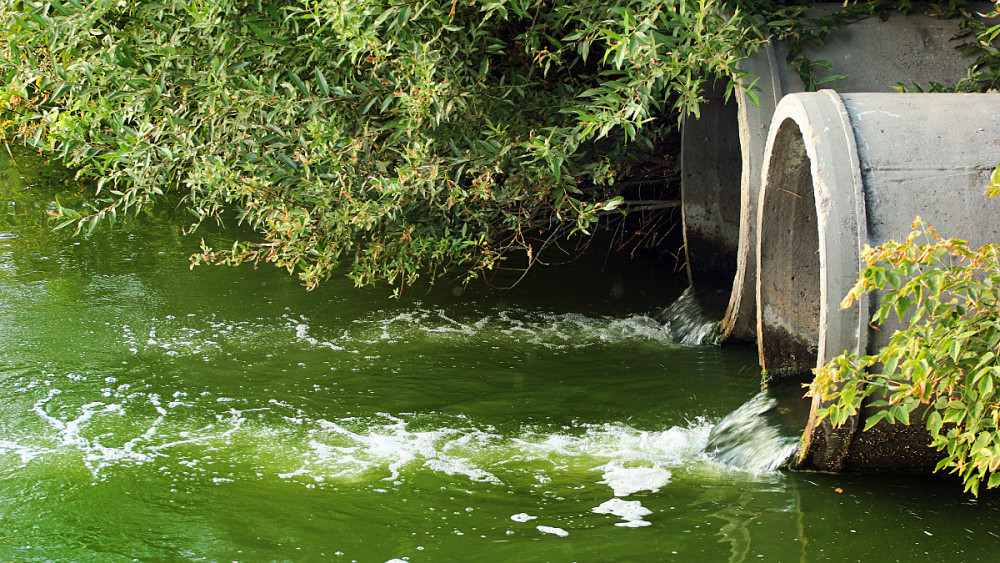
{"x":391,"y":138}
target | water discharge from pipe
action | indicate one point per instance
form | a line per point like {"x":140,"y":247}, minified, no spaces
{"x":764,"y":432}
{"x":693,"y":319}
{"x":759,"y":436}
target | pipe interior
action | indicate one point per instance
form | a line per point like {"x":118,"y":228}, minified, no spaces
{"x":789,"y":278}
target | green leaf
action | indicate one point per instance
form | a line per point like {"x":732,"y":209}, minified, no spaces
{"x":321,"y":80}
{"x":299,"y":83}
{"x":899,"y":413}
{"x":287,"y":161}
{"x":874,"y":419}
{"x":934,"y":422}
{"x":64,"y":224}
{"x":902,"y":306}
{"x":986,"y":385}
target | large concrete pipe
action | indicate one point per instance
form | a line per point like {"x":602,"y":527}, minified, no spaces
{"x":722,"y":152}
{"x":842,"y":171}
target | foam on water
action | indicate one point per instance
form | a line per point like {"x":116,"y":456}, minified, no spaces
{"x":25,"y":453}
{"x":631,"y":511}
{"x":208,"y":336}
{"x":277,"y":440}
{"x":627,"y":480}
{"x":568,"y":330}
{"x":523,"y":517}
{"x":552,"y":530}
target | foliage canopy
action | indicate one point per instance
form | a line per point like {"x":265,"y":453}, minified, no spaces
{"x":392,"y":138}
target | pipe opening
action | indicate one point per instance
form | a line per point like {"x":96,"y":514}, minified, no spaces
{"x":789,"y":279}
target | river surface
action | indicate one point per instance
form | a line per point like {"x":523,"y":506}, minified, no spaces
{"x":151,"y":412}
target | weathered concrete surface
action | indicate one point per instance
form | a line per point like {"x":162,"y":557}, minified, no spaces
{"x":842,"y":171}
{"x":709,"y":221}
{"x":722,"y":152}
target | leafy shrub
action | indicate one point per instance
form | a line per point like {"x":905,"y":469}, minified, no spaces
{"x":946,"y":359}
{"x":391,"y":136}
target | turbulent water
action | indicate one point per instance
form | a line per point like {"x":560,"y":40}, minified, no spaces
{"x":750,"y":439}
{"x":390,"y":404}
{"x":149,"y":412}
{"x":693,"y":318}
{"x":75,"y":417}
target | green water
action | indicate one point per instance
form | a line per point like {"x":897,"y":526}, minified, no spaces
{"x":149,"y":412}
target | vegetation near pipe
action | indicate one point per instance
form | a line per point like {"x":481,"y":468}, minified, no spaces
{"x":394,"y":139}
{"x":944,"y":366}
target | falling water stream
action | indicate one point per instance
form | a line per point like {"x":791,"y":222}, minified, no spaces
{"x":151,"y":412}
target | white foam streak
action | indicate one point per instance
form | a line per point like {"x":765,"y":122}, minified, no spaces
{"x":284,"y":442}
{"x":552,"y":530}
{"x":302,"y":333}
{"x":208,"y":337}
{"x":96,"y":455}
{"x":396,"y":447}
{"x":26,"y":453}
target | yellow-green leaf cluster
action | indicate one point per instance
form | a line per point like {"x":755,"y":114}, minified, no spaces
{"x":945,"y":361}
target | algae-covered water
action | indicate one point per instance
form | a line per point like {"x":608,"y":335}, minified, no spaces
{"x":150,"y":412}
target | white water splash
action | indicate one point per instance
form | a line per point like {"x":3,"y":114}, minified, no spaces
{"x":278,"y":440}
{"x":687,"y":322}
{"x":746,"y":440}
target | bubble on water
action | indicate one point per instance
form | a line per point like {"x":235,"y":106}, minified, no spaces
{"x":522,"y":517}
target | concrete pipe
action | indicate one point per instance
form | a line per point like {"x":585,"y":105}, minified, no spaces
{"x":722,"y":152}
{"x":842,"y":171}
